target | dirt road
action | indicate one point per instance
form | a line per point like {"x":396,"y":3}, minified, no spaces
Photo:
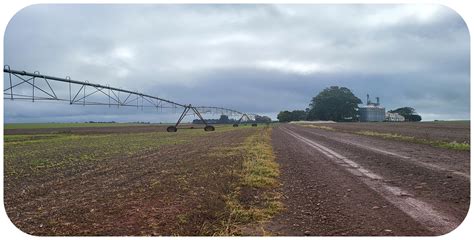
{"x":344,"y":184}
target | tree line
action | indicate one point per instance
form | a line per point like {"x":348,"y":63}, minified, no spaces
{"x":337,"y":104}
{"x":224,"y":119}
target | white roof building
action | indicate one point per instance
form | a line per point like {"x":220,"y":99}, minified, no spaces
{"x":394,"y":117}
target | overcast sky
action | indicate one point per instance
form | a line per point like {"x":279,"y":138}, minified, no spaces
{"x":253,"y":58}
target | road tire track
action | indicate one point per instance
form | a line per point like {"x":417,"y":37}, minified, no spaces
{"x":430,"y":219}
{"x":409,"y":159}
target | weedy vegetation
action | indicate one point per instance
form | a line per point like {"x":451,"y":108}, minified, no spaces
{"x":256,"y":196}
{"x":440,"y":144}
{"x":66,"y":125}
{"x":186,"y":183}
{"x":28,"y":154}
{"x":318,"y":126}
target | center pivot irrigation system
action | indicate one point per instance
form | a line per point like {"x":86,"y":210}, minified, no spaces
{"x":37,"y":87}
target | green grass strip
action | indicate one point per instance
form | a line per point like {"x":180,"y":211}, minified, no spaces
{"x":259,"y":174}
{"x":440,"y":144}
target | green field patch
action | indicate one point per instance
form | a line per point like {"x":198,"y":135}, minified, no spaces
{"x":66,"y":125}
{"x":386,"y":135}
{"x":453,"y":145}
{"x":260,"y":167}
{"x":9,"y":139}
{"x":440,"y":144}
{"x":28,"y":154}
{"x":318,"y":126}
{"x":199,"y":179}
{"x":258,"y":182}
{"x":449,"y":121}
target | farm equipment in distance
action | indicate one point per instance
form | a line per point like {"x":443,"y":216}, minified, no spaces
{"x":27,"y":86}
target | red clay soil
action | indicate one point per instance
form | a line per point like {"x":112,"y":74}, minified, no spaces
{"x":445,"y":131}
{"x":99,"y":130}
{"x":322,"y":197}
{"x":177,"y":190}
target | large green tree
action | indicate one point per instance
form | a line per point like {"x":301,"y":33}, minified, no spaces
{"x":413,"y":118}
{"x":224,"y":119}
{"x":334,"y":103}
{"x":284,"y":116}
{"x":262,"y":119}
{"x":295,"y":115}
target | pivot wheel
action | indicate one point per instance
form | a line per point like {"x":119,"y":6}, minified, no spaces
{"x":171,"y":129}
{"x":235,"y":125}
{"x":254,"y":124}
{"x":209,"y":128}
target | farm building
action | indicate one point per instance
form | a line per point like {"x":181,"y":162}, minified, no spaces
{"x":372,"y":112}
{"x":394,"y":117}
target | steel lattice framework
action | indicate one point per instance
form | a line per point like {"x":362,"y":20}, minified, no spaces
{"x":22,"y":85}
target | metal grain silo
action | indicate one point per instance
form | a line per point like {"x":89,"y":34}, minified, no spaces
{"x":372,"y":112}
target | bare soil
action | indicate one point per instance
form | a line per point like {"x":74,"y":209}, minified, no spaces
{"x":100,"y":130}
{"x":177,"y":190}
{"x":323,"y":198}
{"x":444,"y":131}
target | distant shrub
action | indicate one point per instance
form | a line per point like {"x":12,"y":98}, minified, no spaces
{"x":413,"y":118}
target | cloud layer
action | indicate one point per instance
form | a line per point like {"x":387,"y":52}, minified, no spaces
{"x":254,"y":58}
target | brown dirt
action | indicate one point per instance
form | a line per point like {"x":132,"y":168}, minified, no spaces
{"x":323,"y":198}
{"x":445,"y":131}
{"x":177,"y":190}
{"x":99,"y":130}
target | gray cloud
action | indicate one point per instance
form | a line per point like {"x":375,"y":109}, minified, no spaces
{"x":254,"y":58}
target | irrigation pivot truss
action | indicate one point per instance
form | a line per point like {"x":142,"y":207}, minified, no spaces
{"x":22,"y":85}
